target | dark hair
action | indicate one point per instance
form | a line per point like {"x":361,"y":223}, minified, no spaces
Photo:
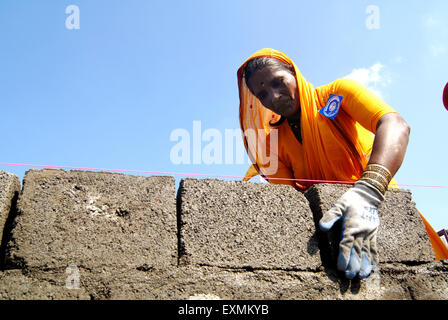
{"x":260,"y":63}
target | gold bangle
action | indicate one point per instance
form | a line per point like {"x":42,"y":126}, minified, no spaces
{"x":378,"y":185}
{"x":376,"y":176}
{"x":381,"y":170}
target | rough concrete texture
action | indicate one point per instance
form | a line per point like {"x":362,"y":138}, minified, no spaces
{"x":14,"y":285}
{"x":93,"y":219}
{"x":9,"y":190}
{"x":401,"y":235}
{"x":390,"y":282}
{"x":245,"y":225}
{"x":90,"y":235}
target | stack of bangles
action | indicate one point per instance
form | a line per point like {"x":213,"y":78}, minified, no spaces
{"x":378,"y":176}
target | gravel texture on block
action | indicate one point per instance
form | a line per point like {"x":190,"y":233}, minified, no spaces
{"x":401,"y":235}
{"x":9,"y":190}
{"x":245,"y":225}
{"x":93,"y":219}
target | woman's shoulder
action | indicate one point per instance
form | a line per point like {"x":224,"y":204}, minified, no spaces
{"x":341,"y":85}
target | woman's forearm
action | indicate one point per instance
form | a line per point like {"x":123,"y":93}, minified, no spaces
{"x":391,"y":141}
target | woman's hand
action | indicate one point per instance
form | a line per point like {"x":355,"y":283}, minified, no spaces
{"x":358,"y":209}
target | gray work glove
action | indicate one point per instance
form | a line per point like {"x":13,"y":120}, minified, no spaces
{"x":358,"y":209}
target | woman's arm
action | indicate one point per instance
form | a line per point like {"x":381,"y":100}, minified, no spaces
{"x":391,"y":141}
{"x":283,"y":175}
{"x":358,"y":207}
{"x":391,"y":131}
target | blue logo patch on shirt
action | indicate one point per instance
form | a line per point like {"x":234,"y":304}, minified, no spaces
{"x":331,"y":109}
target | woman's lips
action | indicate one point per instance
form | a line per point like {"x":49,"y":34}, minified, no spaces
{"x":284,"y":107}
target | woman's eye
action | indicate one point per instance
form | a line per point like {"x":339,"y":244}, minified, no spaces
{"x":277,"y":82}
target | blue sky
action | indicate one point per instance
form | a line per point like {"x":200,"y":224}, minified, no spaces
{"x":111,"y":93}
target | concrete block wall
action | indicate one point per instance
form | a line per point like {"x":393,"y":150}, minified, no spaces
{"x":245,"y":225}
{"x":100,"y":235}
{"x":402,"y":236}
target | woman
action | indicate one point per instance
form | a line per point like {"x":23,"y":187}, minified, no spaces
{"x":299,"y":135}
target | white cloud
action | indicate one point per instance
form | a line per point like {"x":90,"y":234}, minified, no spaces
{"x":430,"y":21}
{"x":399,"y":60}
{"x":436,"y":29}
{"x":437,"y":49}
{"x":373,"y":78}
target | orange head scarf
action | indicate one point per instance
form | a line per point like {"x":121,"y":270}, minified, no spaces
{"x":334,"y":150}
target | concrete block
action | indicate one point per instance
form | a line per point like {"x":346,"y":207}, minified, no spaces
{"x":401,"y":235}
{"x":427,"y":281}
{"x":245,"y":225}
{"x":14,"y":285}
{"x":93,"y":219}
{"x":9,"y":190}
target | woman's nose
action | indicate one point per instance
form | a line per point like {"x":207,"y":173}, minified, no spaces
{"x":276,"y":96}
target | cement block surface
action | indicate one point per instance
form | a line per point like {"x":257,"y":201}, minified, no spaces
{"x":401,"y":235}
{"x":93,"y":219}
{"x":245,"y":225}
{"x":9,"y":189}
{"x":14,"y":285}
{"x":427,"y":281}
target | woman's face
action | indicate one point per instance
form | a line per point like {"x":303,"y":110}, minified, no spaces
{"x":276,"y":88}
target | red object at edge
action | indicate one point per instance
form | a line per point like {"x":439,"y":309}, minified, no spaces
{"x":445,"y":96}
